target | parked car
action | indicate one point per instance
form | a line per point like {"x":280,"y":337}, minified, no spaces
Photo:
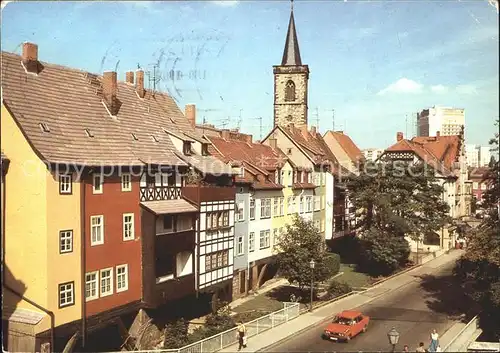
{"x":346,"y":325}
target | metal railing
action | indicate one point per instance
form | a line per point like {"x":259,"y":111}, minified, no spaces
{"x":228,"y":338}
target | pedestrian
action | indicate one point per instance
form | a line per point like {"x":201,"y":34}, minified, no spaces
{"x":406,"y":348}
{"x":434,"y":341}
{"x":420,"y":347}
{"x":242,"y":336}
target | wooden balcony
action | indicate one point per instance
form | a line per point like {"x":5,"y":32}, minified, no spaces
{"x":199,"y":194}
{"x":156,"y":193}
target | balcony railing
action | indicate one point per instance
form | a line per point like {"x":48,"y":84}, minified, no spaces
{"x":156,"y":193}
{"x":202,"y":193}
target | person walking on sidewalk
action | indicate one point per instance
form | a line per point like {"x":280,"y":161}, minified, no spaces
{"x":434,"y":341}
{"x":242,"y":336}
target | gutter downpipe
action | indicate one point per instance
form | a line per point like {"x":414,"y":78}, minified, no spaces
{"x":48,"y":312}
{"x":82,"y":258}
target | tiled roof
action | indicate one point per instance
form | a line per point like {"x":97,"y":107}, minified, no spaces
{"x":69,"y":101}
{"x":169,"y":206}
{"x":439,"y":152}
{"x":259,"y":161}
{"x":348,"y":145}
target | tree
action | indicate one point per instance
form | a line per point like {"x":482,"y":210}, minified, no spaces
{"x":479,"y":268}
{"x":301,"y":243}
{"x":176,"y":334}
{"x":396,"y":200}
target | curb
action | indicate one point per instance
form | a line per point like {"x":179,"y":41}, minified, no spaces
{"x":277,"y":343}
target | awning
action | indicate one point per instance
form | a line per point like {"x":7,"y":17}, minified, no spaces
{"x":169,"y":206}
{"x":24,"y":316}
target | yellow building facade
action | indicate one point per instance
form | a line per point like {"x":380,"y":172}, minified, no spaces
{"x":35,"y":214}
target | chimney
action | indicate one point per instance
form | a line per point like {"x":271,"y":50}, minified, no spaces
{"x":139,"y":83}
{"x":30,"y":57}
{"x":304,"y":131}
{"x":340,"y":132}
{"x":248,"y":138}
{"x":129,"y":77}
{"x":438,"y":133}
{"x":273,"y":143}
{"x":109,"y":89}
{"x":225,"y":134}
{"x":313,"y":130}
{"x":399,"y":136}
{"x":190,"y":113}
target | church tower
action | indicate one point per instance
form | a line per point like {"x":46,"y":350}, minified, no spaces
{"x":290,"y":83}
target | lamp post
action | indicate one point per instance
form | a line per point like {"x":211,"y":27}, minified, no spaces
{"x":393,"y":336}
{"x":311,"y":265}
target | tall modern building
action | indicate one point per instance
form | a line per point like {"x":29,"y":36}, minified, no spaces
{"x":448,"y":121}
{"x":477,"y":156}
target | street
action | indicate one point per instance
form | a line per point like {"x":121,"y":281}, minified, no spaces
{"x":427,"y":303}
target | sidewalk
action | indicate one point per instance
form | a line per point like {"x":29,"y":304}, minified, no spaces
{"x":280,"y":333}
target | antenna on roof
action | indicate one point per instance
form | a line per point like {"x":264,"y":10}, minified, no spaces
{"x":260,"y":124}
{"x":239,"y":121}
{"x":317,"y":119}
{"x":333,"y":119}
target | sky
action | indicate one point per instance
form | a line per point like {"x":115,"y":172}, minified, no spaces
{"x":373,"y":64}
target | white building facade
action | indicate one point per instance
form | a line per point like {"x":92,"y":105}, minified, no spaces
{"x":440,"y":120}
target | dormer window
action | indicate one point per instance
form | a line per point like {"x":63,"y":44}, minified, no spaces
{"x":44,"y":127}
{"x":186,"y":148}
{"x":89,"y":133}
{"x":204,"y":149}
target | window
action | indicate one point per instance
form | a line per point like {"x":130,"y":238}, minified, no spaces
{"x":106,"y":282}
{"x":184,"y":263}
{"x":65,"y":184}
{"x":475,"y":185}
{"x":252,"y":209}
{"x":66,"y":294}
{"x":301,"y":205}
{"x":168,"y":222}
{"x":295,"y":176}
{"x":126,"y":182}
{"x":317,"y":200}
{"x":275,"y":207}
{"x":216,"y":260}
{"x":240,"y":215}
{"x":164,"y":267}
{"x":309,"y":204}
{"x":91,"y":289}
{"x":183,"y":223}
{"x":282,"y":206}
{"x":290,"y":91}
{"x":225,"y":218}
{"x":265,"y":208}
{"x":264,"y":239}
{"x":483,"y":186}
{"x":277,"y":176}
{"x":239,"y":246}
{"x":128,"y":226}
{"x":97,"y":230}
{"x":204,"y":149}
{"x":251,"y":242}
{"x":217,"y":219}
{"x":65,"y":241}
{"x":309,"y":177}
{"x":186,"y":148}
{"x":121,"y":278}
{"x":303,"y":177}
{"x":97,"y":186}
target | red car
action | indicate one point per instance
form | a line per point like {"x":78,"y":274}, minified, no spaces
{"x":346,"y":325}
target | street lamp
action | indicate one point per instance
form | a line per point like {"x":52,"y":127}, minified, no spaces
{"x":311,"y":265}
{"x":393,"y":336}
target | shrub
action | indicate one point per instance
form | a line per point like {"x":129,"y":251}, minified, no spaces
{"x":336,"y":289}
{"x":332,"y":263}
{"x":176,"y":334}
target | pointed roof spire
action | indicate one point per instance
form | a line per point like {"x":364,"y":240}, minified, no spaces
{"x":291,"y":54}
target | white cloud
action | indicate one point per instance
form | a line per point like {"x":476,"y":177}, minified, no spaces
{"x":439,"y":89}
{"x":466,"y":89}
{"x":402,"y":85}
{"x":226,"y":3}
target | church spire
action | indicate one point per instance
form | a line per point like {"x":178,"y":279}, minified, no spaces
{"x":291,"y":54}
